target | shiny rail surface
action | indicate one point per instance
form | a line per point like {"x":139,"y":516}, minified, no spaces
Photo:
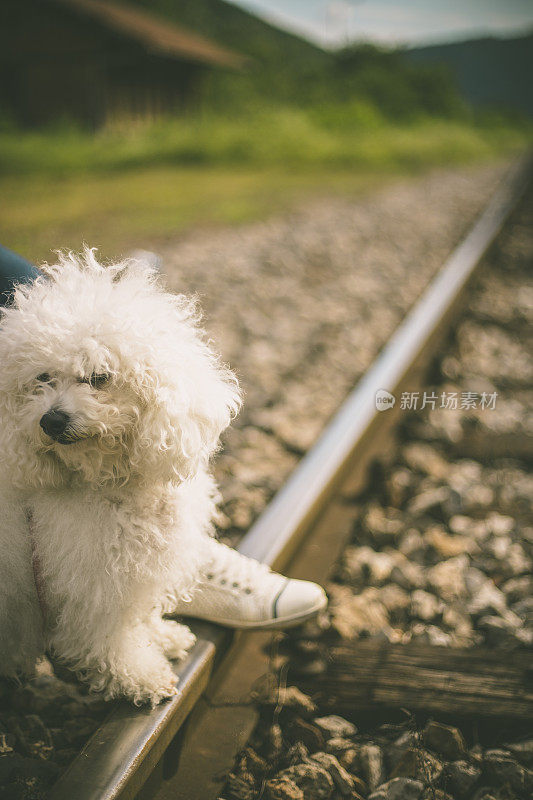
{"x":123,"y":753}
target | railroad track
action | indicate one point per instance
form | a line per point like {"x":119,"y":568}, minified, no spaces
{"x":187,"y":743}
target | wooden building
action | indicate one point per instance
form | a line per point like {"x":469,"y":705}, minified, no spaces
{"x":94,"y":60}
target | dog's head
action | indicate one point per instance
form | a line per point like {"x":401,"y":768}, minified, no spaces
{"x":105,"y":376}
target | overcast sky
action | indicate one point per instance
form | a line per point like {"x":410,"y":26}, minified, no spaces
{"x":335,"y":22}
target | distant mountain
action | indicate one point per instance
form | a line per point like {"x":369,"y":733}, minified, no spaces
{"x":284,"y":67}
{"x":234,"y":27}
{"x":490,"y":72}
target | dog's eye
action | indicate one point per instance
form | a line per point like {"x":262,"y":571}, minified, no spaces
{"x":97,"y":379}
{"x":44,"y":377}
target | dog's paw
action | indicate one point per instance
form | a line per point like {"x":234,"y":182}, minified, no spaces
{"x":149,"y":679}
{"x":175,"y":639}
{"x":140,"y":692}
{"x":163,"y":693}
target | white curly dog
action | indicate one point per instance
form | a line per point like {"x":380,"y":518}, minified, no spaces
{"x":111,"y":403}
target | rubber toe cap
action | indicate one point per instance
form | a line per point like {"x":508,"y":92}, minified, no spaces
{"x":299,"y":598}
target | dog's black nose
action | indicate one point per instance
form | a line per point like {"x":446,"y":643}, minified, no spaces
{"x":54,"y":422}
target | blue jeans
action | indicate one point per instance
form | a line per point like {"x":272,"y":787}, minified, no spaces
{"x":13,"y":269}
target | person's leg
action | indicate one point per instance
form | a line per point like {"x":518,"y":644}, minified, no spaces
{"x":13,"y":269}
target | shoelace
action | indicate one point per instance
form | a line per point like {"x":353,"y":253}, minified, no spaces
{"x":230,"y":568}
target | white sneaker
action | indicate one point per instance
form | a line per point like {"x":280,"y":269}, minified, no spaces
{"x":239,"y":592}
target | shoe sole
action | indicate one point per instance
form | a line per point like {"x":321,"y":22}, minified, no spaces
{"x":277,"y":623}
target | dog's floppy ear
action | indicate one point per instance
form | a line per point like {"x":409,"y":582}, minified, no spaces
{"x":217,"y":400}
{"x":180,"y":426}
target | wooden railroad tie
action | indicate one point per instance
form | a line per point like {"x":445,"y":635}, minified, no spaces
{"x":476,"y":681}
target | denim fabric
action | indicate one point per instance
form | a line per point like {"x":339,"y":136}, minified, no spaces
{"x":13,"y":269}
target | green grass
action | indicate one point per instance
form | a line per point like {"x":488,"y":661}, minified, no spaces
{"x":139,"y":208}
{"x":128,"y":187}
{"x":354,"y":135}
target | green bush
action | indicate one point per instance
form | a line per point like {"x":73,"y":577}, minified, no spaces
{"x":353,"y":135}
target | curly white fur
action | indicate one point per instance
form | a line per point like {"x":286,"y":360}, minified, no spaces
{"x":120,"y":510}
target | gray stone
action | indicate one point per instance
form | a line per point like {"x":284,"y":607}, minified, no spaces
{"x":350,"y":760}
{"x":16,"y":767}
{"x":252,"y":763}
{"x":476,"y":753}
{"x":341,"y":778}
{"x":9,"y":764}
{"x":288,"y":697}
{"x":306,"y":733}
{"x":524,"y":609}
{"x":499,"y":524}
{"x":447,"y":579}
{"x":364,"y":563}
{"x":395,"y":599}
{"x":502,"y":768}
{"x":282,"y":788}
{"x":487,"y":599}
{"x":398,"y":789}
{"x":338,"y":745}
{"x":274,"y":739}
{"x":523,"y":751}
{"x":407,"y":575}
{"x":430,"y":793}
{"x":400,"y":746}
{"x":477,"y":496}
{"x":334,"y":726}
{"x":34,"y":736}
{"x":486,"y":793}
{"x":444,"y":740}
{"x":430,"y":634}
{"x":428,"y":501}
{"x":498,"y":632}
{"x":516,"y":561}
{"x":460,"y":627}
{"x":474,"y":580}
{"x":360,"y":787}
{"x":516,"y":589}
{"x":352,"y":615}
{"x":399,"y":484}
{"x":425,"y":606}
{"x":524,"y":637}
{"x":459,"y":777}
{"x":371,"y":760}
{"x":296,"y":753}
{"x":418,"y":763}
{"x":384,"y":525}
{"x":7,"y":742}
{"x":449,"y":546}
{"x":500,"y":547}
{"x":424,"y":458}
{"x":239,"y":788}
{"x":475,"y":528}
{"x":315,"y":782}
{"x":412,"y":544}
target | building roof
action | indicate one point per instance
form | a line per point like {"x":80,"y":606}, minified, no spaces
{"x":156,"y":34}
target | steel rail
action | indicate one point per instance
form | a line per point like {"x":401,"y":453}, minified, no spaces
{"x":121,"y":755}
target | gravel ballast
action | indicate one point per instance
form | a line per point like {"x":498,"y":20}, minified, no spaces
{"x":299,"y":306}
{"x":441,"y":556}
